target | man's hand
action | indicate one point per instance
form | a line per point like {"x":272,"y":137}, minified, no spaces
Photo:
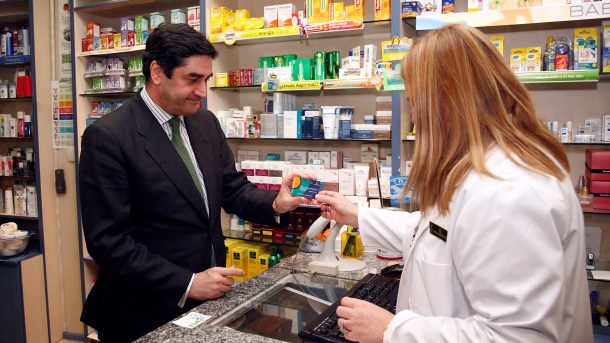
{"x":213,"y":283}
{"x":284,"y":201}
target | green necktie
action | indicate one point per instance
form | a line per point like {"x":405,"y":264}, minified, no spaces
{"x":184,"y":155}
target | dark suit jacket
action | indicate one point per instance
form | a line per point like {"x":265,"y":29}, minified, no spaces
{"x":145,"y":223}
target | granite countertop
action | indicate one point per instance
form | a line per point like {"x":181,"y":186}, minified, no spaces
{"x":241,"y":292}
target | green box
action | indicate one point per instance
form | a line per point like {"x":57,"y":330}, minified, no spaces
{"x":140,"y":23}
{"x":302,"y":69}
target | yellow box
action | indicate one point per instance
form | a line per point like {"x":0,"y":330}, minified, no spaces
{"x":498,"y":42}
{"x":337,"y":11}
{"x":219,"y":19}
{"x":318,"y":11}
{"x":222,"y":80}
{"x":241,"y":16}
{"x":117,"y":40}
{"x":229,"y":244}
{"x":382,"y":9}
{"x":263,"y":262}
{"x":533,"y":59}
{"x":517,"y":60}
{"x":240,"y":260}
{"x":254,"y":252}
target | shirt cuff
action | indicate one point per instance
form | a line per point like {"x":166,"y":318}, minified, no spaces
{"x":185,"y":296}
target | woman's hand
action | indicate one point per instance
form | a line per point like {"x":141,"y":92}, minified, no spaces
{"x":362,"y":321}
{"x":336,"y":207}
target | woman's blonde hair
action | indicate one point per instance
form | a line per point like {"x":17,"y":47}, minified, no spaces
{"x":465,"y":100}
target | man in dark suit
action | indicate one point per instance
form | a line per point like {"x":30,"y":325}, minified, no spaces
{"x":154,"y":175}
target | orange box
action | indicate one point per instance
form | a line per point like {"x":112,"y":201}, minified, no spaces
{"x":337,"y":11}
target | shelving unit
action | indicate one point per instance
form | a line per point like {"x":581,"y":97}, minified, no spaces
{"x":22,"y":277}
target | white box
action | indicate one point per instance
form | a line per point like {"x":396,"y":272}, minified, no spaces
{"x":370,"y":59}
{"x":244,"y":155}
{"x":369,"y":152}
{"x":312,"y":156}
{"x":336,"y":159}
{"x":295,"y":157}
{"x":347,"y":184}
{"x":292,"y":124}
{"x":325,"y":157}
{"x":270,"y":15}
{"x":285,"y":13}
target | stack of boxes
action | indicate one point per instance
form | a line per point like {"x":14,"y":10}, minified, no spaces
{"x":252,"y":258}
{"x":598,"y":177}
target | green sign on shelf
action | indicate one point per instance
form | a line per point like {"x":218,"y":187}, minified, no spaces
{"x":559,"y":76}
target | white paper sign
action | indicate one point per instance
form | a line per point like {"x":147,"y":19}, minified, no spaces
{"x":191,"y":320}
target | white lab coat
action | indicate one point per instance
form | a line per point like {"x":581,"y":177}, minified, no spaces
{"x":512,"y":268}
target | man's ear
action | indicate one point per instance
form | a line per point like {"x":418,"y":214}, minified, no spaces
{"x":156,"y":73}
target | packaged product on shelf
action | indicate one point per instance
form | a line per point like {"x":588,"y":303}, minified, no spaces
{"x":517,"y":59}
{"x":178,"y":16}
{"x":222,"y":79}
{"x":127,"y":24}
{"x":382,"y":9}
{"x":498,"y":42}
{"x":116,"y":40}
{"x":193,"y":15}
{"x":585,"y":49}
{"x":241,"y":16}
{"x":606,"y":45}
{"x":93,"y":29}
{"x":336,"y":11}
{"x":563,"y":53}
{"x":270,"y":15}
{"x":97,"y":43}
{"x":533,"y":59}
{"x":302,"y":69}
{"x":287,"y":15}
{"x":156,"y":19}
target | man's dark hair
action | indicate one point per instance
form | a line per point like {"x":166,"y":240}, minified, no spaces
{"x":171,"y":44}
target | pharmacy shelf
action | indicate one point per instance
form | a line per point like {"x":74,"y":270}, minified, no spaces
{"x":15,"y":60}
{"x":292,"y":33}
{"x":14,"y":11}
{"x":260,"y":238}
{"x":109,"y":52}
{"x":126,"y":8}
{"x":518,"y":16}
{"x":16,"y":217}
{"x":107,"y":94}
{"x":559,"y":76}
{"x":29,"y":99}
{"x":596,"y":211}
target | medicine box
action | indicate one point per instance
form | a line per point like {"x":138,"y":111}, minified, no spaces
{"x":229,"y":244}
{"x":285,"y":15}
{"x":270,"y":15}
{"x":597,"y":160}
{"x":178,"y":16}
{"x":218,"y":19}
{"x":193,"y":15}
{"x":382,"y":9}
{"x":140,"y":23}
{"x":239,"y":254}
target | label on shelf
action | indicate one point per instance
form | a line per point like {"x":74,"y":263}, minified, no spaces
{"x":14,"y":59}
{"x":294,"y":86}
{"x":255,"y":34}
{"x":113,"y":51}
{"x":559,"y":76}
{"x":334,"y":26}
{"x":342,"y":84}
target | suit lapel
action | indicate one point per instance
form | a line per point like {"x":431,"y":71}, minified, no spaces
{"x":161,"y":150}
{"x":205,"y":156}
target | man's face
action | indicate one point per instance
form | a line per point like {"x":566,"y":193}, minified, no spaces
{"x":182,"y":94}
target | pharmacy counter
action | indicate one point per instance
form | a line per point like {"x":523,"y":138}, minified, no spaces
{"x":221,"y":310}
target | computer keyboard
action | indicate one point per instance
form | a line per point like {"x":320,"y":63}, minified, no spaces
{"x":374,"y":288}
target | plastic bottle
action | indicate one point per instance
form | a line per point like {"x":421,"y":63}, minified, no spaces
{"x":24,"y":41}
{"x":27,"y":127}
{"x":549,"y":55}
{"x":12,"y":90}
{"x":3,"y":90}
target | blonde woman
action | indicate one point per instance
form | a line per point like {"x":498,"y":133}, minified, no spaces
{"x":496,"y":250}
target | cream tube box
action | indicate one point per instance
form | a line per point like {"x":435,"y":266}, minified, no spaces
{"x":346,"y":182}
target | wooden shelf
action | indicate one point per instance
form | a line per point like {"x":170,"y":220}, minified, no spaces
{"x":17,"y":100}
